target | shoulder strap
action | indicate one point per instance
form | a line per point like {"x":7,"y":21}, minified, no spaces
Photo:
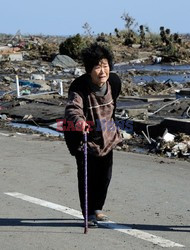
{"x":115,"y":84}
{"x":80,"y":85}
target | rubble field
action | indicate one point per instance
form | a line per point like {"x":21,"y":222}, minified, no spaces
{"x":34,"y":87}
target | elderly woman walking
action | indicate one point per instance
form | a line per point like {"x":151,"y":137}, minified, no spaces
{"x":91,"y":107}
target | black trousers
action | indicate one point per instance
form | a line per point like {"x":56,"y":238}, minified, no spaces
{"x":99,"y":176}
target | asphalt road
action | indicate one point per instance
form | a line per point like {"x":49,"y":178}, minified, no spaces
{"x":148,"y":201}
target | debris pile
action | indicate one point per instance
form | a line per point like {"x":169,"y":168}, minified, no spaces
{"x":34,"y":82}
{"x":178,"y":147}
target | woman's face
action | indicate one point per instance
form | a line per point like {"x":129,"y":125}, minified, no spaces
{"x":100,"y":72}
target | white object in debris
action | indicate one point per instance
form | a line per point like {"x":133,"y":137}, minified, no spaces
{"x":180,"y":147}
{"x":167,"y":137}
{"x":125,"y":135}
{"x":136,"y":61}
{"x":16,"y":57}
{"x":157,"y":59}
{"x":38,"y":77}
{"x":78,"y":72}
{"x":61,"y":88}
{"x":17,"y":86}
{"x":27,"y":117}
{"x":54,"y":83}
{"x":3,"y":117}
{"x":58,"y":82}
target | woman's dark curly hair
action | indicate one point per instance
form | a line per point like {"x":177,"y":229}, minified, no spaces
{"x":92,"y":55}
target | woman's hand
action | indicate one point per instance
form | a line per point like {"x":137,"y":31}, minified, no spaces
{"x":82,"y":126}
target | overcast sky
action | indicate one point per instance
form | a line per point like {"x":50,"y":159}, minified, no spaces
{"x":66,"y":17}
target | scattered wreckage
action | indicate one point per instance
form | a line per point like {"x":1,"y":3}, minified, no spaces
{"x":163,"y":121}
{"x":35,"y":92}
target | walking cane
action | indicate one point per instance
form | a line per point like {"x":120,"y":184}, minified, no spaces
{"x":85,"y":185}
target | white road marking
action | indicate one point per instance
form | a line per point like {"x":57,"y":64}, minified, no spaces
{"x":108,"y":224}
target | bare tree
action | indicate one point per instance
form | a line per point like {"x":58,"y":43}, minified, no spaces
{"x":129,"y":21}
{"x":87,"y":29}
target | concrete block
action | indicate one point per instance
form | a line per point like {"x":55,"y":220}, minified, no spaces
{"x":175,"y":125}
{"x":183,"y":93}
{"x":137,"y":112}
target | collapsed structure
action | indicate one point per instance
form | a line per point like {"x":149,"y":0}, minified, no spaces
{"x":159,"y":112}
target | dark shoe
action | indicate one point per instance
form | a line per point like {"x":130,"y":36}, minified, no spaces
{"x":92,"y":221}
{"x":100,"y":216}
